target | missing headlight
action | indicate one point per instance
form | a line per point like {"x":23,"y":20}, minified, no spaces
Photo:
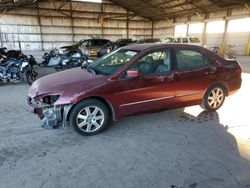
{"x":50,"y":99}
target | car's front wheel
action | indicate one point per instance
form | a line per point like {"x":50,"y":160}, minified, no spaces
{"x":214,"y":98}
{"x":89,"y":117}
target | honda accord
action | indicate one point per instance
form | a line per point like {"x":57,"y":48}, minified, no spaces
{"x":131,"y":80}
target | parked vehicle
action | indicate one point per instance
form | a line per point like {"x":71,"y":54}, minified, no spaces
{"x":217,"y":50}
{"x":74,"y":58}
{"x":47,"y":56}
{"x":2,"y":58}
{"x":7,"y":54}
{"x":231,"y":52}
{"x":17,"y":70}
{"x":183,"y":40}
{"x":148,"y":40}
{"x":92,"y":46}
{"x":111,"y":46}
{"x":131,"y":80}
{"x":3,"y":50}
{"x":168,"y":40}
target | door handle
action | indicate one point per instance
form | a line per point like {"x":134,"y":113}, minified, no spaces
{"x":171,"y":77}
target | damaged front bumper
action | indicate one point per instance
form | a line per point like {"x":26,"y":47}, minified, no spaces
{"x":52,"y":116}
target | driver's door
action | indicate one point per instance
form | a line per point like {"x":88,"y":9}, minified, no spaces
{"x":154,"y":89}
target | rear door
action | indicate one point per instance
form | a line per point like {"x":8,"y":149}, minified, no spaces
{"x":194,"y":73}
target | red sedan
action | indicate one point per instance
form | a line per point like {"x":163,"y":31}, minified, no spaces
{"x":133,"y":79}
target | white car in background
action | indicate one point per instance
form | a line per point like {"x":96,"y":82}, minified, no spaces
{"x":184,"y":40}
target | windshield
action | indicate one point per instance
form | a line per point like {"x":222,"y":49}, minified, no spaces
{"x":111,"y":62}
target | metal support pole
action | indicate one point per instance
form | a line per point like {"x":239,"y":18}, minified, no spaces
{"x":1,"y":38}
{"x":19,"y":42}
{"x":224,"y":39}
{"x":127,"y":25}
{"x":39,"y":24}
{"x":204,"y":35}
{"x":187,"y":30}
{"x":152,"y":30}
{"x":248,"y":46}
{"x":71,"y":23}
{"x":102,"y":19}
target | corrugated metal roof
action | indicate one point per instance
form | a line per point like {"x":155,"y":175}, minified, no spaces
{"x":151,"y":9}
{"x":162,"y":9}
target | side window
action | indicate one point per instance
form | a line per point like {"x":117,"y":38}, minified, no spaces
{"x":95,"y":42}
{"x":103,"y":42}
{"x":156,"y":62}
{"x":189,"y":59}
{"x":99,"y":42}
{"x":91,"y":43}
{"x":85,"y":43}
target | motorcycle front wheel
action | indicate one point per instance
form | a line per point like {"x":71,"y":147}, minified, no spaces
{"x":29,"y":76}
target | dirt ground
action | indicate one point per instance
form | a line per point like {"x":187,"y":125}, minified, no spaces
{"x":183,"y":148}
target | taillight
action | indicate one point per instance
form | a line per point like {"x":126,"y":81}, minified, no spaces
{"x":237,"y":66}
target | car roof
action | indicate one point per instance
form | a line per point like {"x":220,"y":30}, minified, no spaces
{"x":148,"y":46}
{"x":96,"y":39}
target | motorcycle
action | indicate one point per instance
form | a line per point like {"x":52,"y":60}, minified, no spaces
{"x":231,"y":52}
{"x":17,"y":70}
{"x":2,"y":59}
{"x":71,"y":59}
{"x":7,"y":54}
{"x":47,"y":56}
{"x":217,"y":50}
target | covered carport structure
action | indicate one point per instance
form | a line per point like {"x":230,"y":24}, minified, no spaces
{"x":42,"y":25}
{"x":180,"y":148}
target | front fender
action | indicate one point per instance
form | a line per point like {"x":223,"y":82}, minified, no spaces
{"x":24,"y":65}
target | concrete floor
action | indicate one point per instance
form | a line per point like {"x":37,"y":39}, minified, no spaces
{"x":183,"y":148}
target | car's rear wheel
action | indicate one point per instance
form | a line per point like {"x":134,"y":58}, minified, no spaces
{"x":89,"y":117}
{"x":214,"y":98}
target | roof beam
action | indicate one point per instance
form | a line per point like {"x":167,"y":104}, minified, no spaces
{"x":179,"y":5}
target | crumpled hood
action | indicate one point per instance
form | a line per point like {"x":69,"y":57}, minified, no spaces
{"x":68,"y":83}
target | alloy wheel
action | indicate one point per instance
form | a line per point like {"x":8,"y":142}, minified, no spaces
{"x":90,"y":119}
{"x":215,"y":98}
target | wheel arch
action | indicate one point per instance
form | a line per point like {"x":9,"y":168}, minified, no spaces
{"x":103,"y":100}
{"x":220,"y":83}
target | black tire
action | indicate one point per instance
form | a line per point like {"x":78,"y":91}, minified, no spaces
{"x":81,"y":109}
{"x":211,"y":102}
{"x":28,"y":76}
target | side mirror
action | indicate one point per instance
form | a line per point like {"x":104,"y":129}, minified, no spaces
{"x":133,"y":73}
